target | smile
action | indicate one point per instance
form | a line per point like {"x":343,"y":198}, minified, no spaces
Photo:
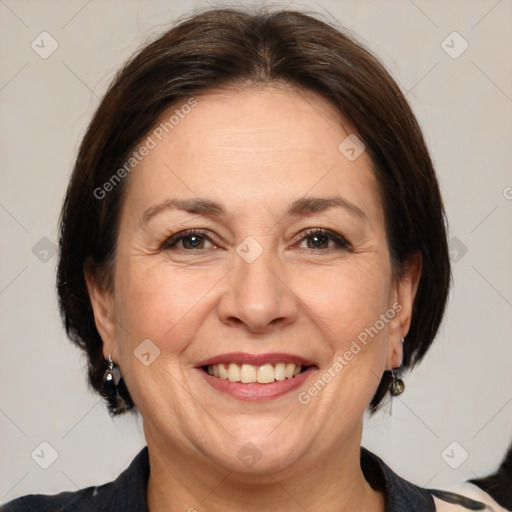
{"x":248,"y":373}
{"x":250,"y":377}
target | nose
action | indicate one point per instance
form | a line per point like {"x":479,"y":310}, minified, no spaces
{"x":257,"y":297}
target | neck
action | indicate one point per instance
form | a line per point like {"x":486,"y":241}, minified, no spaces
{"x":332,"y":482}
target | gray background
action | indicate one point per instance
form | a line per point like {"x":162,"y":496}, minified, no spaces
{"x":461,"y":393}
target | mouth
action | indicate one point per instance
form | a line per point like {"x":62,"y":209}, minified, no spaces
{"x":255,"y":376}
{"x":248,"y":373}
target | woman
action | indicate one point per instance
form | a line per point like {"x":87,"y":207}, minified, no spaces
{"x":252,"y":247}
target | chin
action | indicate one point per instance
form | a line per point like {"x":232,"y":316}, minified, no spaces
{"x":267,"y":447}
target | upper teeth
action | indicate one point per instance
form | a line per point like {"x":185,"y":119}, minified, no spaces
{"x":248,"y":373}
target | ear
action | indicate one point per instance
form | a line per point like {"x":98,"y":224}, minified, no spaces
{"x":405,"y":290}
{"x":102,"y":302}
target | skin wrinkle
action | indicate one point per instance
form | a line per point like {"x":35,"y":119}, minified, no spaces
{"x":288,"y":300}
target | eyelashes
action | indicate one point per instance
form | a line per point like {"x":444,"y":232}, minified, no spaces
{"x":319,"y":236}
{"x":194,"y":238}
{"x":316,"y":239}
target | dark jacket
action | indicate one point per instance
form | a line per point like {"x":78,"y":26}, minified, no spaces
{"x":128,"y":492}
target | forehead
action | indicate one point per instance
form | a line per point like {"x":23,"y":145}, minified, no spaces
{"x":254,"y":145}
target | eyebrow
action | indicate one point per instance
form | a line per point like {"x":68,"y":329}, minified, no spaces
{"x":308,"y":205}
{"x":206,"y":207}
{"x":195,"y":206}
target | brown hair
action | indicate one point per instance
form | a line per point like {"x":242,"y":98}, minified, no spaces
{"x":228,"y":47}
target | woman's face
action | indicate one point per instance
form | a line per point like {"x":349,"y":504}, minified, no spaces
{"x":252,"y":247}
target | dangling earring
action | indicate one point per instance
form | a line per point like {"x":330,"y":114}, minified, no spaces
{"x":111,"y":377}
{"x":397,"y":385}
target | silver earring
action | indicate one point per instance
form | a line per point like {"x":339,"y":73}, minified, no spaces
{"x":111,"y":377}
{"x":397,"y":385}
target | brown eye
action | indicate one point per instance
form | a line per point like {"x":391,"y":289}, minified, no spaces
{"x":323,"y":240}
{"x":192,"y":242}
{"x":187,"y":240}
{"x":317,"y":242}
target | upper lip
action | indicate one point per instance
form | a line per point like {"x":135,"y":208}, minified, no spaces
{"x":255,"y":359}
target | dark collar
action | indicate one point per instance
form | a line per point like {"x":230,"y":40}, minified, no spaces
{"x":128,"y":492}
{"x":131,"y":485}
{"x":401,"y":495}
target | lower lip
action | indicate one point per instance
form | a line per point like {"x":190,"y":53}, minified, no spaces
{"x":255,"y":391}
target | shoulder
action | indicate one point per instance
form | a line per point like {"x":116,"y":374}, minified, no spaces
{"x":404,"y":496}
{"x":400,"y":494}
{"x":465,"y":496}
{"x":91,"y":498}
{"x":127,"y":493}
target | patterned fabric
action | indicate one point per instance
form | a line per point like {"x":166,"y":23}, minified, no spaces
{"x":465,"y":496}
{"x":457,"y":499}
{"x":128,"y":492}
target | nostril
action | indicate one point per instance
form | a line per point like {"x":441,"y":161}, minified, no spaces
{"x":233,"y":320}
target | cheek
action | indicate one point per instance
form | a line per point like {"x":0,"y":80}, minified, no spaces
{"x":160,"y":302}
{"x":165,"y":306}
{"x":353,"y":314}
{"x":345,"y":301}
